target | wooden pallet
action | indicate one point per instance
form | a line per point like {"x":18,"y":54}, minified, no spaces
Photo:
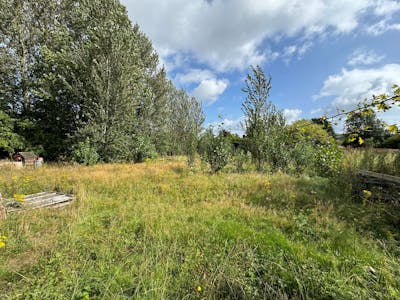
{"x":44,"y":199}
{"x":383,"y":187}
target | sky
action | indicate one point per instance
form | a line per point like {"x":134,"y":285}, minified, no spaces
{"x":323,"y":55}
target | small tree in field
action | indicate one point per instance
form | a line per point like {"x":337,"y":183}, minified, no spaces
{"x":363,"y":126}
{"x":263,"y":122}
{"x":216,"y":150}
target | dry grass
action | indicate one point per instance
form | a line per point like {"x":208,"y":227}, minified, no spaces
{"x":160,"y":230}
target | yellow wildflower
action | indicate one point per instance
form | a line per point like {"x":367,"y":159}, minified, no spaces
{"x":199,"y":289}
{"x":267,"y":184}
{"x":19,"y":197}
{"x":2,"y":241}
{"x":367,"y":194}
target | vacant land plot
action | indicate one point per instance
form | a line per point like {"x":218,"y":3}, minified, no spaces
{"x":161,"y":231}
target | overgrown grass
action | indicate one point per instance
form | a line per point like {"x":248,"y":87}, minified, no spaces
{"x":378,"y":160}
{"x":161,"y":231}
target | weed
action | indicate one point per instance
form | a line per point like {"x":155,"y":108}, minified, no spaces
{"x":160,"y":231}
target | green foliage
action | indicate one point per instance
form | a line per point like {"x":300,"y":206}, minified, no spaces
{"x":371,"y":159}
{"x":85,"y":153}
{"x":364,"y":117}
{"x":264,"y":124}
{"x":237,"y":236}
{"x":142,"y":149}
{"x":9,"y":140}
{"x":79,"y":69}
{"x":392,"y":142}
{"x":215,"y":150}
{"x":184,"y":124}
{"x":326,"y":125}
{"x":396,"y":164}
{"x":241,"y":160}
{"x":312,"y":149}
{"x":327,"y":160}
{"x":306,"y":130}
{"x":363,"y":127}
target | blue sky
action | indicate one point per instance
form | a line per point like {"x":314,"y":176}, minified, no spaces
{"x":322,"y":55}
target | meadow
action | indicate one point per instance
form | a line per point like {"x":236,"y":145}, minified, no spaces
{"x":160,"y":230}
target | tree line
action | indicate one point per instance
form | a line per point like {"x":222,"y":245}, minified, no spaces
{"x":79,"y":81}
{"x":304,"y":146}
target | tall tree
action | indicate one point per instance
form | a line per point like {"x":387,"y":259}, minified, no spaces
{"x":264,"y":123}
{"x":185,"y":122}
{"x":76,"y":73}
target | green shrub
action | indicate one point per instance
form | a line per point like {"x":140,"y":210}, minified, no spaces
{"x":327,"y":160}
{"x":396,"y":164}
{"x":241,"y":159}
{"x":215,"y":150}
{"x":85,"y":153}
{"x":392,"y":142}
{"x":142,"y":149}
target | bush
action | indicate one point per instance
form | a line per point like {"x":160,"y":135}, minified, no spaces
{"x":85,"y":153}
{"x":327,"y":160}
{"x":241,"y":159}
{"x":392,"y":142}
{"x":312,"y":149}
{"x":215,"y":150}
{"x":142,"y":149}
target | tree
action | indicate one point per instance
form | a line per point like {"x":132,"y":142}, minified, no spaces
{"x":362,"y":127}
{"x":216,"y":150}
{"x":77,"y":73}
{"x":310,"y":131}
{"x":312,"y":148}
{"x":264,"y":123}
{"x":185,"y":122}
{"x":326,"y":125}
{"x":9,"y":140}
{"x":381,"y":103}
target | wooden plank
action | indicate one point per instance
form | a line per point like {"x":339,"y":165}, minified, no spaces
{"x":380,"y":176}
{"x":36,"y":195}
{"x":39,"y":200}
{"x":56,"y":199}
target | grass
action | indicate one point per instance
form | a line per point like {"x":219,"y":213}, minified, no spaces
{"x":161,"y":231}
{"x":385,"y":161}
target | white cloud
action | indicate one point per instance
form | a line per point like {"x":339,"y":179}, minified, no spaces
{"x":382,"y":27}
{"x":316,"y":111}
{"x":228,"y":35}
{"x":231,"y":125}
{"x":363,"y":57}
{"x":387,"y":7}
{"x":195,"y":75}
{"x":295,"y":51}
{"x":292,"y":115}
{"x":352,"y":86}
{"x":209,"y":90}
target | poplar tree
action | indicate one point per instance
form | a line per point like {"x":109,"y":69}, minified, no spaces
{"x":263,"y":122}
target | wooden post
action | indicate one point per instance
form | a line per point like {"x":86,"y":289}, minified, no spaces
{"x":3,"y":213}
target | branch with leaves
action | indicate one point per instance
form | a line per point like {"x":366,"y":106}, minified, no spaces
{"x":367,"y":107}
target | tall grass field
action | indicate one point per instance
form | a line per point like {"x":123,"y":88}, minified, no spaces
{"x":160,"y":230}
